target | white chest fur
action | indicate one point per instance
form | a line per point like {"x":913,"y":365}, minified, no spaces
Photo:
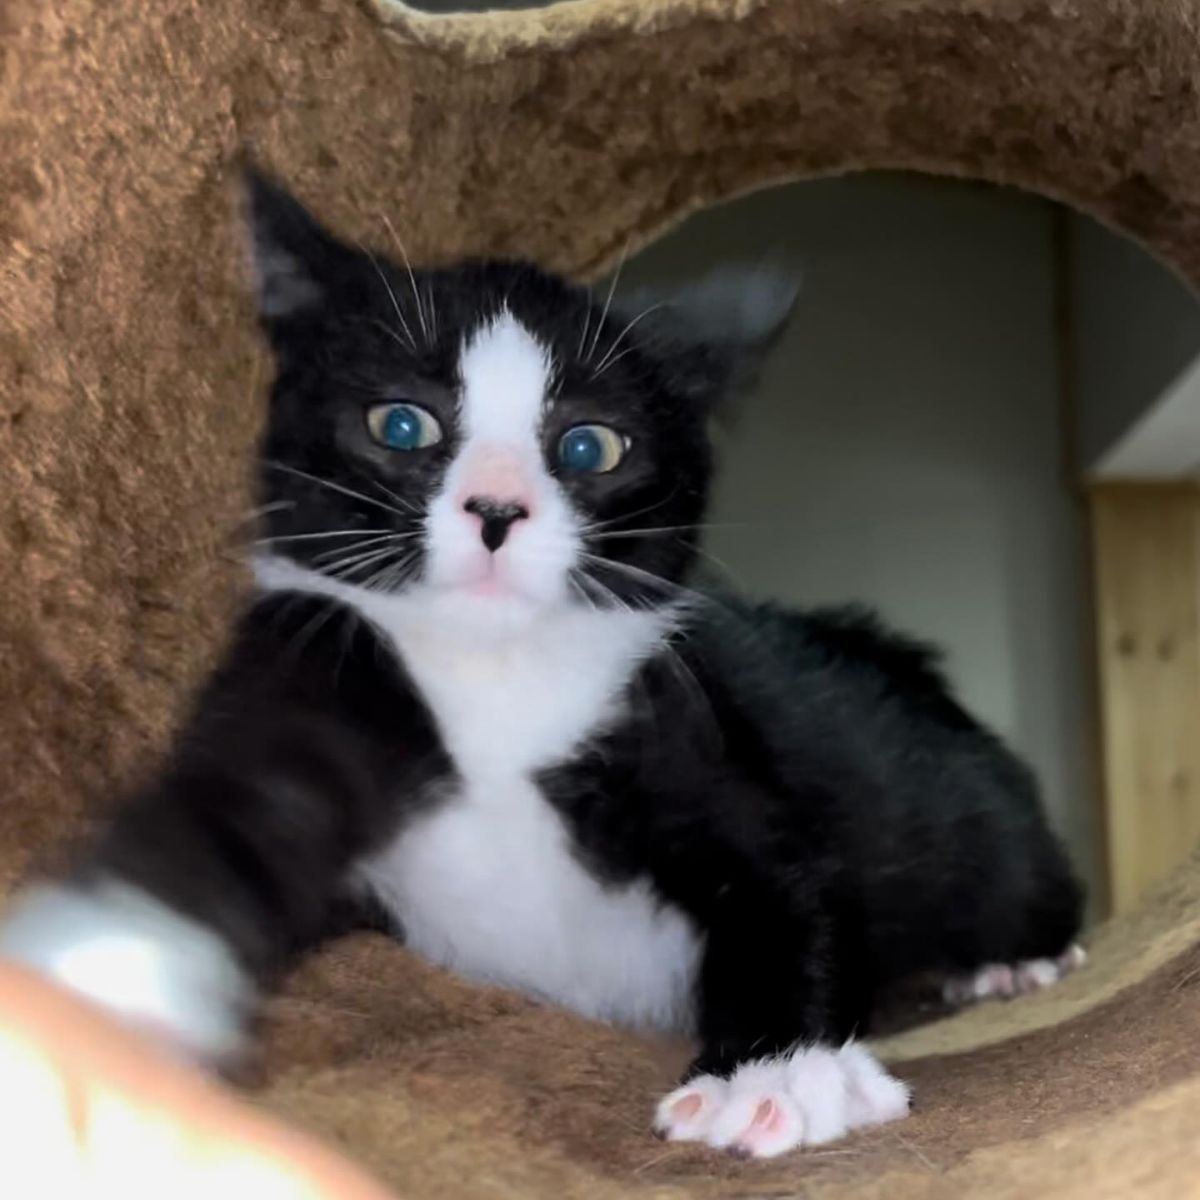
{"x":487,"y":886}
{"x":487,"y":883}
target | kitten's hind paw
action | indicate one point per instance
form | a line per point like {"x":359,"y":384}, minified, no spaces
{"x":770,"y":1106}
{"x":1004,"y":981}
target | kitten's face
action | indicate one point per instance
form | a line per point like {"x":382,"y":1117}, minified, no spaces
{"x":485,"y":441}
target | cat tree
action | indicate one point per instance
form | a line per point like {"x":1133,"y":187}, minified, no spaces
{"x":129,"y":373}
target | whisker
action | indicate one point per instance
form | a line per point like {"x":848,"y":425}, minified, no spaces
{"x":639,"y":512}
{"x":412,"y":279}
{"x":325,"y":612}
{"x":265,"y":510}
{"x":675,"y":662}
{"x":612,"y":287}
{"x":610,"y":362}
{"x":337,"y":487}
{"x":587,"y":320}
{"x":574,"y":579}
{"x":364,"y":544}
{"x":723,"y":567}
{"x":608,"y":359}
{"x":358,"y":562}
{"x":391,"y":539}
{"x":432,"y":313}
{"x":641,"y":575}
{"x":412,"y":345}
{"x":332,"y":564}
{"x":382,"y":325}
{"x":392,"y":573}
{"x":604,"y":536}
{"x":306,"y":537}
{"x":401,"y":573}
{"x":405,"y":504}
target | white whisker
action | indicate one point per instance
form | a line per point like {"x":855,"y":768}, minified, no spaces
{"x":264,"y":510}
{"x":639,"y":512}
{"x":610,"y":535}
{"x":363,"y":544}
{"x":358,"y":562}
{"x":432,"y":314}
{"x":608,"y":359}
{"x":587,"y":320}
{"x":306,"y":537}
{"x":325,"y":612}
{"x":412,"y":345}
{"x":406,"y":504}
{"x":612,"y":287}
{"x":336,"y":487}
{"x":392,"y":574}
{"x":648,"y":578}
{"x":685,"y":676}
{"x":412,"y":279}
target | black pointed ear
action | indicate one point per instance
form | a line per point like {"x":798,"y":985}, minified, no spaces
{"x":716,"y":331}
{"x":295,"y":260}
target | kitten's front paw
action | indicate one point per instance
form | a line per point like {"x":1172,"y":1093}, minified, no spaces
{"x":156,"y":970}
{"x":767,"y":1107}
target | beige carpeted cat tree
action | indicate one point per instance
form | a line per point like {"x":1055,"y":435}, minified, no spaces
{"x":129,"y":385}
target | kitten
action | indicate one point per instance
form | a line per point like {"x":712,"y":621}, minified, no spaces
{"x":475,"y":702}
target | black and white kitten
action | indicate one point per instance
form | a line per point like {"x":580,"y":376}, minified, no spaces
{"x":474,"y":702}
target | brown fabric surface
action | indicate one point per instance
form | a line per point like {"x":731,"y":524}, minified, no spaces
{"x":129,"y":391}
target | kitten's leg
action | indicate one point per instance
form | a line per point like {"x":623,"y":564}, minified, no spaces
{"x":777,"y":1069}
{"x":210,"y":882}
{"x":204,"y":888}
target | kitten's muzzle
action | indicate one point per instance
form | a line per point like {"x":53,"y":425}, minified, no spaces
{"x":496,"y":517}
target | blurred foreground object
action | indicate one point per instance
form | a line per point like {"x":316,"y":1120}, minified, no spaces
{"x":95,"y":1111}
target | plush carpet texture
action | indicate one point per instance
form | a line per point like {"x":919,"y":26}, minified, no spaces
{"x":130,"y":380}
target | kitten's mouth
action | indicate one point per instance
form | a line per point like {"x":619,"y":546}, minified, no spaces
{"x":491,"y":584}
{"x":488,"y":579}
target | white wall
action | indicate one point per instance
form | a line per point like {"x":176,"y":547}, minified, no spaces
{"x":1136,"y":329}
{"x":904,"y":448}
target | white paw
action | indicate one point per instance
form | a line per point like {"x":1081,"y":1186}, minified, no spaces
{"x":1004,"y":981}
{"x":148,"y":965}
{"x":772,"y":1105}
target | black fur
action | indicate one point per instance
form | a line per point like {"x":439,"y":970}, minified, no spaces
{"x":803,"y":784}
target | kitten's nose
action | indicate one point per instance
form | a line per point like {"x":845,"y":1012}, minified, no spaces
{"x":497,"y":517}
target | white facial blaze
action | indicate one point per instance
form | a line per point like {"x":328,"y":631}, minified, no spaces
{"x":505,"y":375}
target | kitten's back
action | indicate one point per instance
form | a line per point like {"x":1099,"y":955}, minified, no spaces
{"x":939,"y":825}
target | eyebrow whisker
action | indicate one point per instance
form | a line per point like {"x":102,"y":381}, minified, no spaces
{"x":612,"y":288}
{"x":608,"y":359}
{"x":412,"y":345}
{"x":412,"y":279}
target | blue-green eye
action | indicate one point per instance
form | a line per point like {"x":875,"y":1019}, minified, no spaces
{"x":403,"y":426}
{"x":592,"y":448}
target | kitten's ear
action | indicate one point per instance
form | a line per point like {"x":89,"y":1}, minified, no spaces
{"x":716,"y":331}
{"x":294,"y":259}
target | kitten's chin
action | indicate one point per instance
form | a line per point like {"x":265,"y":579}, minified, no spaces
{"x":488,"y":609}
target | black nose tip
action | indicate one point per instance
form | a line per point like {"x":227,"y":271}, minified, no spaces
{"x":497,"y":517}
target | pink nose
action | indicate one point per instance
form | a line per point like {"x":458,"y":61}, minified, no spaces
{"x":496,"y":474}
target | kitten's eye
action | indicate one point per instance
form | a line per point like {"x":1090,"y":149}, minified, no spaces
{"x":592,"y":448}
{"x":403,"y":426}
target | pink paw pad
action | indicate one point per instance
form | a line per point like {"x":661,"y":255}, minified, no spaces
{"x":770,"y":1106}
